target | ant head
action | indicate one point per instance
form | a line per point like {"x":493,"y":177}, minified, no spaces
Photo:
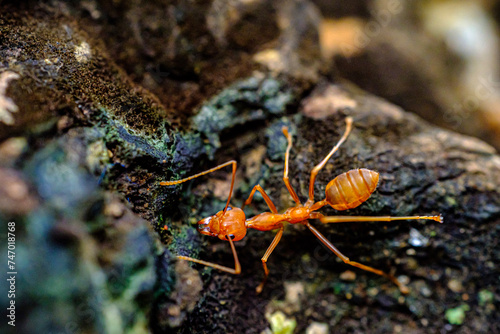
{"x":222,"y":225}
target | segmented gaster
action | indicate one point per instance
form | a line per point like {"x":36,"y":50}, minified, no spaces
{"x":350,"y":189}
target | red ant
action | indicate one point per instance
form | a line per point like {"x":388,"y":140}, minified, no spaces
{"x":346,"y":191}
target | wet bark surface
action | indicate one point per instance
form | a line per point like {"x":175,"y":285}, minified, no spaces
{"x":99,"y":102}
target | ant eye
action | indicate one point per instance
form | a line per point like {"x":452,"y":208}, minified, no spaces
{"x":231,"y":236}
{"x":229,"y":208}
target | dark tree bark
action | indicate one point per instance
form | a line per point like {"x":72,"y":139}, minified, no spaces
{"x":100,"y":102}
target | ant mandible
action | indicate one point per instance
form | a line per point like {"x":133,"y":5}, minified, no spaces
{"x":346,"y":191}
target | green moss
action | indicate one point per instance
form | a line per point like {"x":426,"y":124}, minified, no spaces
{"x":76,"y":74}
{"x":338,"y":287}
{"x":485,"y":297}
{"x":280,"y":324}
{"x":245,"y":101}
{"x":186,"y":241}
{"x":451,"y":201}
{"x":277,"y":142}
{"x":456,"y":316}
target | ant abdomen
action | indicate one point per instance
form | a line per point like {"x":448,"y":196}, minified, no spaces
{"x":350,"y":189}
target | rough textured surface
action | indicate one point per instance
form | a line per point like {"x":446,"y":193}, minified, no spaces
{"x":423,"y":170}
{"x":102,"y":100}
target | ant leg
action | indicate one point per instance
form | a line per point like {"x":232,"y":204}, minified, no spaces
{"x":231,"y":162}
{"x":349,"y":219}
{"x":403,"y":288}
{"x":237,"y":266}
{"x":268,"y":200}
{"x":285,"y":174}
{"x":318,"y":167}
{"x":270,"y":249}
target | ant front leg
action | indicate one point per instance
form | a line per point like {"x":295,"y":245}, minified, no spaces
{"x":403,"y":288}
{"x":268,"y":200}
{"x":270,"y":249}
{"x":237,"y":266}
{"x":230,"y":162}
{"x":285,"y":173}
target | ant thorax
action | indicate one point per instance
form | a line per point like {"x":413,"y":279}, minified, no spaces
{"x":297,"y":214}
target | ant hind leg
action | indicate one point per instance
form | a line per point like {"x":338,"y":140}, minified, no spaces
{"x":319,"y":166}
{"x":349,"y":219}
{"x":403,"y":288}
